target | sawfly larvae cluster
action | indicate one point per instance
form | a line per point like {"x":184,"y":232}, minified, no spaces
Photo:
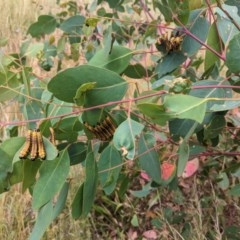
{"x":34,"y":146}
{"x":170,"y":44}
{"x":104,"y":130}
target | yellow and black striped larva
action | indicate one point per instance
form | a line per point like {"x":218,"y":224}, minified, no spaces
{"x":101,"y":131}
{"x":92,"y":130}
{"x":34,"y":146}
{"x":109,"y":124}
{"x":27,"y":146}
{"x":104,"y":130}
{"x":40,"y":145}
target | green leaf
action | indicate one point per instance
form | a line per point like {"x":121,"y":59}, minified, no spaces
{"x":52,"y":177}
{"x":137,"y":71}
{"x":235,"y":191}
{"x":109,"y":167}
{"x":134,"y":221}
{"x":215,"y":127}
{"x":7,"y":151}
{"x":5,"y":168}
{"x":124,"y":137}
{"x":77,"y":152}
{"x":85,"y":195}
{"x":34,"y":49}
{"x":224,"y":183}
{"x":17,"y":173}
{"x":183,"y":157}
{"x":214,"y":42}
{"x":90,"y":184}
{"x":211,"y":93}
{"x":148,"y":157}
{"x":184,"y":106}
{"x":199,"y":28}
{"x":179,"y":128}
{"x":117,"y":61}
{"x":156,"y":112}
{"x":195,"y":4}
{"x":61,"y":200}
{"x":77,"y":203}
{"x":228,"y":105}
{"x":45,"y":25}
{"x":234,"y":3}
{"x":182,"y":10}
{"x":56,"y":108}
{"x":94,"y":116}
{"x":67,"y":129}
{"x":225,"y":27}
{"x":169,"y":63}
{"x":30,"y":169}
{"x":105,"y":95}
{"x":233,"y":54}
{"x":48,"y":213}
{"x":9,"y":86}
{"x":109,"y":85}
{"x":114,"y":3}
{"x":73,"y":25}
{"x":146,"y":189}
{"x":44,"y":218}
{"x":12,"y":145}
{"x":164,"y":9}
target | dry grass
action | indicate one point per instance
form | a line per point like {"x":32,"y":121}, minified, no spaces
{"x":16,"y":16}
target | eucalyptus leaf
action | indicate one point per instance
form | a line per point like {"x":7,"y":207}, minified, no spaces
{"x":73,"y":25}
{"x":45,"y":24}
{"x":77,"y":203}
{"x":149,"y":158}
{"x":235,"y":190}
{"x":52,"y":177}
{"x":126,"y":142}
{"x":169,"y":63}
{"x":90,"y":184}
{"x":199,"y":28}
{"x":43,"y":220}
{"x":185,"y":106}
{"x":183,"y":157}
{"x":109,"y":166}
{"x":215,"y":43}
{"x":233,"y":54}
{"x":116,"y":61}
{"x":109,"y":85}
{"x":9,"y":86}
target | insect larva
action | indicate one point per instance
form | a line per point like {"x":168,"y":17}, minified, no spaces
{"x":91,"y":129}
{"x":40,"y":145}
{"x":34,"y":148}
{"x":105,"y":130}
{"x":108,"y":123}
{"x":52,"y":136}
{"x":26,"y":148}
{"x":101,"y":132}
